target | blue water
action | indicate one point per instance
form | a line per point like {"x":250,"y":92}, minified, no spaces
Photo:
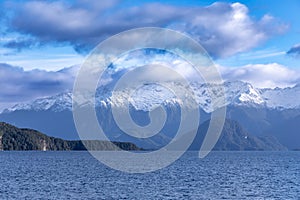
{"x":221,"y":175}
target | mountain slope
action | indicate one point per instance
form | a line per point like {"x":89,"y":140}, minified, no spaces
{"x":282,"y":124}
{"x":235,"y":138}
{"x":13,"y":138}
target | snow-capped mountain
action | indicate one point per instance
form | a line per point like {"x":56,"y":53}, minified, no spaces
{"x":151,"y":95}
{"x":261,"y":112}
{"x":55,"y":103}
{"x":282,"y":98}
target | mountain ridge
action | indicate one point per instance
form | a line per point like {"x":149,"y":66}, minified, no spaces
{"x":237,"y":93}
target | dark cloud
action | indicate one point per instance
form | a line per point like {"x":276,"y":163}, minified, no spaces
{"x":21,"y":44}
{"x":18,"y":85}
{"x":222,"y":28}
{"x":295,"y":50}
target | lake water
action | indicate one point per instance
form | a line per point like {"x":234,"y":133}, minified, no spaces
{"x":221,"y":175}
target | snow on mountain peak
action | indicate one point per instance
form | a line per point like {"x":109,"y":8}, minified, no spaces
{"x":287,"y":98}
{"x":152,"y":95}
{"x":248,"y":94}
{"x":57,"y":103}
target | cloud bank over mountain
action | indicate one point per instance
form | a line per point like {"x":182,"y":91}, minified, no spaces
{"x":19,"y":85}
{"x":263,"y":75}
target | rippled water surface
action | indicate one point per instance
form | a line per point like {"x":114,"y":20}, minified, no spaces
{"x":221,"y":175}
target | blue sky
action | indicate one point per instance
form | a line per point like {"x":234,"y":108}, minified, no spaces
{"x":254,"y":41}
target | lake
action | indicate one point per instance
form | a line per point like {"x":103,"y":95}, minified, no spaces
{"x":221,"y":175}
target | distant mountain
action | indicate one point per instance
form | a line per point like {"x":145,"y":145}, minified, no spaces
{"x":274,"y":112}
{"x":235,"y":138}
{"x":13,"y":138}
{"x":151,"y":94}
{"x":283,"y":124}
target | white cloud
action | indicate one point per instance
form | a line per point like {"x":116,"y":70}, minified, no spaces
{"x":263,"y":75}
{"x":259,"y":75}
{"x":141,"y":58}
{"x":224,"y":29}
{"x":227,"y":29}
{"x":49,"y":63}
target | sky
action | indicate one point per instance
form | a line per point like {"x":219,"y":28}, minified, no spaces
{"x":42,"y":43}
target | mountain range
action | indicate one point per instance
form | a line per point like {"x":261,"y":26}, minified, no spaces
{"x":273,"y":113}
{"x":237,"y":94}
